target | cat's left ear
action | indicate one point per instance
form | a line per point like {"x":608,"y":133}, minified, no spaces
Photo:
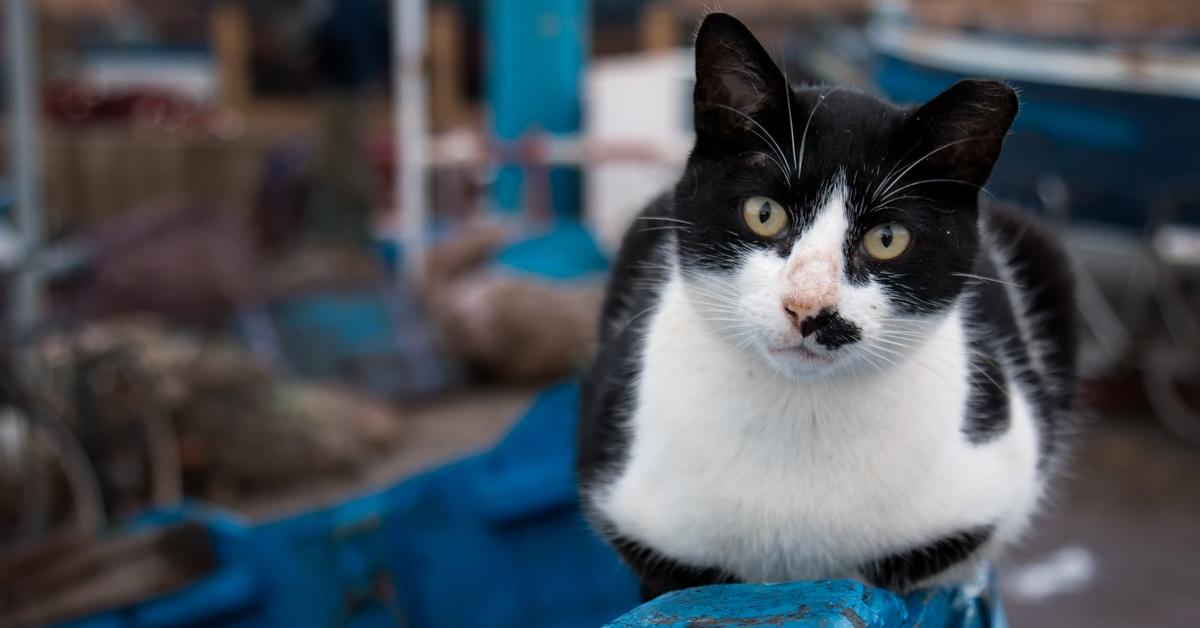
{"x":737,"y":83}
{"x":963,"y":128}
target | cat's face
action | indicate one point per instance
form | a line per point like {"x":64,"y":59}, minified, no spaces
{"x":827,"y":230}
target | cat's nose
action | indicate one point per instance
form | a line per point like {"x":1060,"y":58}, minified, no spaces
{"x":808,"y":321}
{"x":811,"y":287}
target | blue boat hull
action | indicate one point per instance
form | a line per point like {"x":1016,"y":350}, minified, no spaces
{"x":1121,"y":153}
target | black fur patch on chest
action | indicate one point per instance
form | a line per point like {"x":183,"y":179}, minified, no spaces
{"x":899,"y":572}
{"x":661,"y":575}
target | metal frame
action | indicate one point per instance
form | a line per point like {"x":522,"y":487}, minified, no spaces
{"x":411,"y":142}
{"x":26,"y":157}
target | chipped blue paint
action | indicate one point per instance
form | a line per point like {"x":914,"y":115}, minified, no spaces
{"x":823,"y":603}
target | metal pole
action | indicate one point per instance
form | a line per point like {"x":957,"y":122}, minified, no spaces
{"x":26,"y":155}
{"x":411,"y":145}
{"x":26,"y":162}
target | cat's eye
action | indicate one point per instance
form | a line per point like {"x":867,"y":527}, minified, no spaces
{"x":764,"y":216}
{"x":887,"y":241}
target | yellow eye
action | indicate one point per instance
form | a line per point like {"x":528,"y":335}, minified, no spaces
{"x":765,"y":217}
{"x":886,"y":241}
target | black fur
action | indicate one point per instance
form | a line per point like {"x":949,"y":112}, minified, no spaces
{"x":987,"y":414}
{"x":660,"y":574}
{"x":920,"y":166}
{"x":832,"y":331}
{"x":1042,"y":275}
{"x":900,"y":571}
{"x":627,"y":307}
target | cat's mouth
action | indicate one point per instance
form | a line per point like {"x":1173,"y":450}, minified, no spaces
{"x":803,"y":352}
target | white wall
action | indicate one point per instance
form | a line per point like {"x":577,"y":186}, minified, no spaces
{"x":636,"y":101}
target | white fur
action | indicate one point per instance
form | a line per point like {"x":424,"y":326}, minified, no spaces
{"x":786,"y":465}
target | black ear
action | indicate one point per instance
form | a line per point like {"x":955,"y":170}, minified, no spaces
{"x":963,"y":128}
{"x":737,"y":83}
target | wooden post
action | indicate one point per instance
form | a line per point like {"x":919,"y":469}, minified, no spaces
{"x":445,"y":66}
{"x":659,"y":28}
{"x":230,"y":33}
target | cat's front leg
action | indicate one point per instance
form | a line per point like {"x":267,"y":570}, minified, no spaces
{"x":660,"y":575}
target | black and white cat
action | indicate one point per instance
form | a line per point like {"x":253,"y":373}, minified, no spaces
{"x":820,"y":357}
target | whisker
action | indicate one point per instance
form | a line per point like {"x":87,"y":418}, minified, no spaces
{"x":764,"y":136}
{"x":773,"y":160}
{"x":665,"y":218}
{"x":787,"y":86}
{"x":666,"y":228}
{"x":900,"y":176}
{"x":925,"y":181}
{"x":994,"y":280}
{"x":804,"y":138}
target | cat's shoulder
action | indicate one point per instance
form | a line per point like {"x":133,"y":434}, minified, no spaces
{"x":1037,"y":260}
{"x":649,"y":229}
{"x":1024,"y":236}
{"x":1039,"y":270}
{"x":640,"y":262}
{"x":640,"y":267}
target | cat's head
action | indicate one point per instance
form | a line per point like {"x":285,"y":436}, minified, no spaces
{"x":827,"y":229}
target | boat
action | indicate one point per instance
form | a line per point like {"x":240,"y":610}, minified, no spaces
{"x":1114,"y":125}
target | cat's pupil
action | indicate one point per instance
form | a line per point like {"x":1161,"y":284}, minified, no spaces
{"x":885,"y":237}
{"x":764,"y":213}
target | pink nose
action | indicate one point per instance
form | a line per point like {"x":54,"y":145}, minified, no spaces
{"x":799,"y":310}
{"x":812,"y":289}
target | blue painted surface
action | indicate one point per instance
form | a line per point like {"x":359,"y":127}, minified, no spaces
{"x":494,"y":540}
{"x":1120,"y":153}
{"x":566,"y":251}
{"x":822,"y":603}
{"x":536,"y":50}
{"x":807,"y":604}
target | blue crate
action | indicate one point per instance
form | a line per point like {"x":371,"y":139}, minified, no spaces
{"x":496,"y":540}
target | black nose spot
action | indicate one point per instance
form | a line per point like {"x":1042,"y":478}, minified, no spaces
{"x":811,"y":325}
{"x":831,"y":330}
{"x":814,"y":324}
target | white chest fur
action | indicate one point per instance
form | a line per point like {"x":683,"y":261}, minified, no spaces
{"x":775,"y":479}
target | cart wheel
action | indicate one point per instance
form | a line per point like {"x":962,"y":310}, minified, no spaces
{"x":46,"y":451}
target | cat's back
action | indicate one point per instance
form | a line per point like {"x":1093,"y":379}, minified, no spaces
{"x":1024,"y":308}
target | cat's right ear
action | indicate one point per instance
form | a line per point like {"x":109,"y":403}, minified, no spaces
{"x":737,"y":83}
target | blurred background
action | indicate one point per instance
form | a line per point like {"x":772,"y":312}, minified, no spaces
{"x":266,"y":263}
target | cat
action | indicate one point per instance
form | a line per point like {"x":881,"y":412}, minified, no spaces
{"x":820,"y":356}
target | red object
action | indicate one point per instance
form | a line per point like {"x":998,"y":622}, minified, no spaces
{"x":81,"y":104}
